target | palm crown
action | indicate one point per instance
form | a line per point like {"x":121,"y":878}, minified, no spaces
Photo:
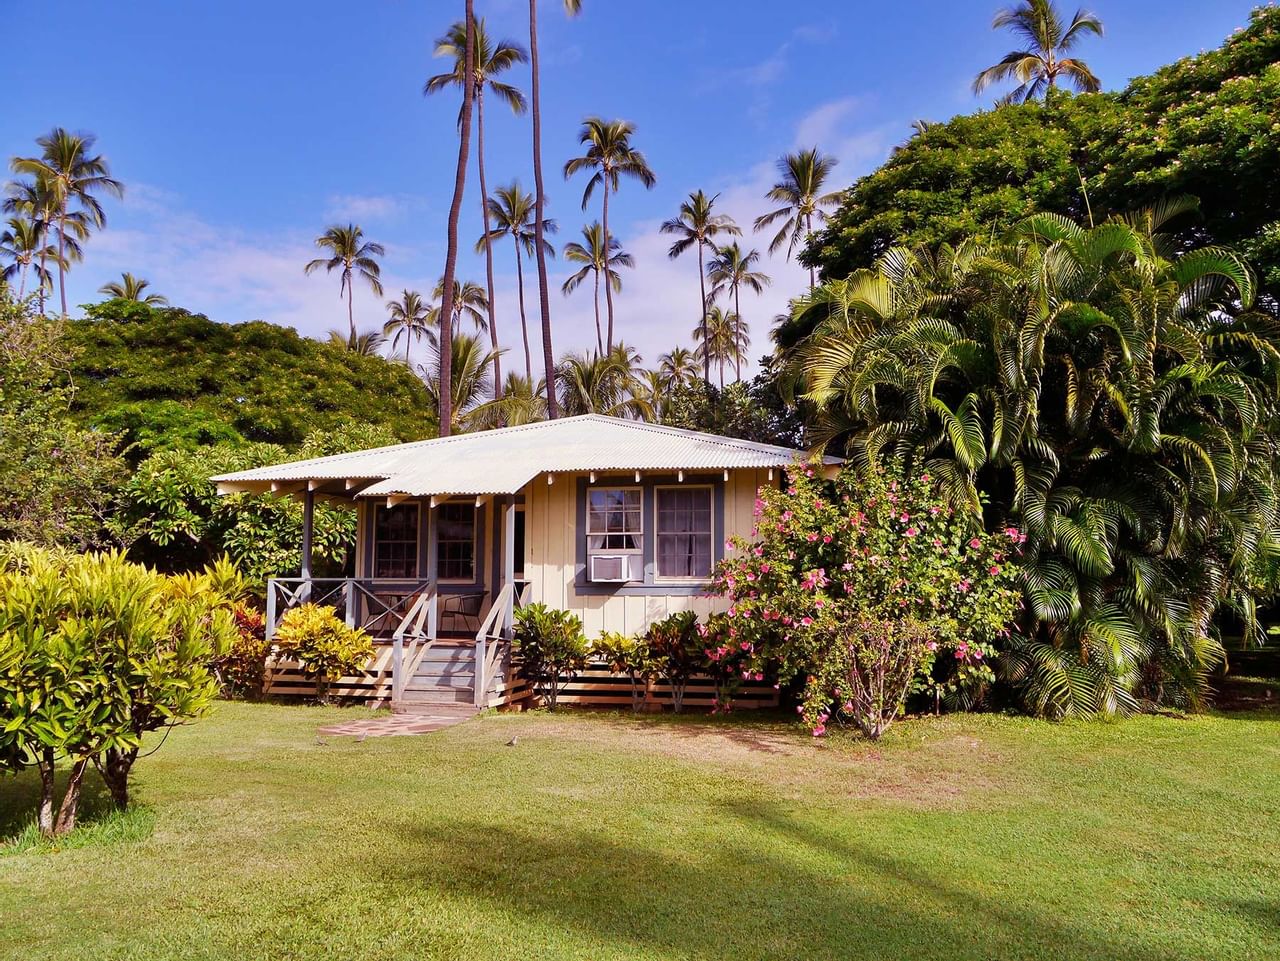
{"x":469,"y":301}
{"x":409,"y":318}
{"x":610,"y":154}
{"x":491,"y":60}
{"x":129,"y":287}
{"x":799,"y":191}
{"x":1041,"y":63}
{"x":351,"y":254}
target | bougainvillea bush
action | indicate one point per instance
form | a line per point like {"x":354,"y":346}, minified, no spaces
{"x":864,"y":586}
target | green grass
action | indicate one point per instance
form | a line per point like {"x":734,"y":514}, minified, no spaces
{"x":607,"y":837}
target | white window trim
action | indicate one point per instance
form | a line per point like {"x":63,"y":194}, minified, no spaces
{"x":658,"y":577}
{"x":609,"y":551}
{"x":417,"y":541}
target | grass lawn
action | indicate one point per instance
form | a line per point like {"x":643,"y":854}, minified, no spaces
{"x":603,"y":836}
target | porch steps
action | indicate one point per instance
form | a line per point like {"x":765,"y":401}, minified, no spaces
{"x":446,"y":678}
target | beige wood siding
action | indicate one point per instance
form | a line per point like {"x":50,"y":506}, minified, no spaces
{"x":551,"y":556}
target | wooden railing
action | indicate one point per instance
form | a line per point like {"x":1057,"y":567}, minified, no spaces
{"x":374,"y":604}
{"x":495,"y":633}
{"x":418,"y":628}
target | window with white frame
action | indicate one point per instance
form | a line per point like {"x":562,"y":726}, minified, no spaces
{"x":684,"y":534}
{"x":395,"y":542}
{"x":615,"y":534}
{"x":456,"y":542}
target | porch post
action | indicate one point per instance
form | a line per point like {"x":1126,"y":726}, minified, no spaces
{"x":433,"y":611}
{"x":308,"y":526}
{"x":508,"y":559}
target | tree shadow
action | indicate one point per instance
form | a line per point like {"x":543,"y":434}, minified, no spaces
{"x":776,"y":888}
{"x":20,"y":799}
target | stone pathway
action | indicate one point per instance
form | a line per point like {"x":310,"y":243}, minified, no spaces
{"x":394,"y":725}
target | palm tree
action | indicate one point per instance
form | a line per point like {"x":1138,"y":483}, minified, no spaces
{"x":597,"y":264}
{"x":22,"y":244}
{"x":71,"y":174}
{"x":696,"y":225}
{"x":610,"y":154}
{"x":33,"y":200}
{"x":489,"y":61}
{"x":469,"y":301}
{"x":523,"y":402}
{"x":725,"y":340}
{"x":1041,"y":63}
{"x":572,"y":8}
{"x":350,"y":253}
{"x":600,"y":383}
{"x":678,"y":368}
{"x":367,"y":344}
{"x":511,"y":211}
{"x":129,"y":287}
{"x":410,"y":318}
{"x":731,"y":270}
{"x":799,"y":190}
{"x":469,"y":369}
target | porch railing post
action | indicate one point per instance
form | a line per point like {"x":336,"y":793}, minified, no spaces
{"x":349,"y":591}
{"x":481,"y":682}
{"x":397,"y":669}
{"x":271,"y":608}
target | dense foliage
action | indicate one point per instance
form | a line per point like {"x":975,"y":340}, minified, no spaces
{"x":323,"y":645}
{"x":853,"y":586}
{"x":551,"y":648}
{"x":96,"y":651}
{"x":1113,"y":399}
{"x":165,"y":377}
{"x":1205,"y":126}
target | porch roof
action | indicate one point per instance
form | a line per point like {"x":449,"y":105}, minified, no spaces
{"x":503,"y":461}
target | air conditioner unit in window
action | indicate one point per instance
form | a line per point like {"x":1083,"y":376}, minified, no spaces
{"x":610,"y":568}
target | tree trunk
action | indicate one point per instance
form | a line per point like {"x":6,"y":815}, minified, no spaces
{"x":351,"y":314}
{"x":524,"y":321}
{"x":706,"y":347}
{"x":599,"y":340}
{"x":608,"y":286}
{"x":115,"y":767}
{"x":544,"y":297}
{"x":66,"y":821}
{"x":488,"y":247}
{"x":47,"y":768}
{"x":22,"y":285}
{"x":455,"y":208}
{"x":737,"y":335}
{"x":808,"y":232}
{"x":62,"y":257}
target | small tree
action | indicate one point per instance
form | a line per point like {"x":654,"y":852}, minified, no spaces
{"x":854,"y":585}
{"x":552,"y":646}
{"x":323,"y":644}
{"x":676,"y":650}
{"x":630,"y":656}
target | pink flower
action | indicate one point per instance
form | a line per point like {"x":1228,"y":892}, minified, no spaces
{"x":994,"y":571}
{"x":932,"y":645}
{"x":812,"y":538}
{"x":787,"y":515}
{"x":826,"y":538}
{"x":791,"y":491}
{"x":820,"y":730}
{"x":806,"y":621}
{"x":964,"y":587}
{"x":912,"y":532}
{"x":904,"y":517}
{"x":937,"y":542}
{"x":758,"y":550}
{"x":765,"y":568}
{"x":975,"y":543}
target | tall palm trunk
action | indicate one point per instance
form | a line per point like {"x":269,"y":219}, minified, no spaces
{"x":451,"y":255}
{"x":706,"y":347}
{"x":608,"y":287}
{"x":22,"y":278}
{"x":544,"y":295}
{"x":488,"y":247}
{"x":351,"y":309}
{"x":62,"y":257}
{"x":808,"y":229}
{"x":599,"y":342}
{"x":524,"y":322}
{"x":737,"y":335}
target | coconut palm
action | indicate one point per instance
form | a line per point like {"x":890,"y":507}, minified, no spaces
{"x":511,"y":212}
{"x":469,"y":402}
{"x":490,"y":60}
{"x":799,"y":190}
{"x":1115,"y":402}
{"x":34,"y":201}
{"x":731,"y":270}
{"x":601,"y":383}
{"x":523,"y":402}
{"x":71,"y":174}
{"x":572,"y":8}
{"x":610,"y":154}
{"x":353,"y":256}
{"x":367,"y":344}
{"x":697,"y":226}
{"x":22,"y":245}
{"x":1042,"y":63}
{"x":596,"y":264}
{"x":469,"y":302}
{"x":678,"y":368}
{"x":129,"y":287}
{"x":724,"y":340}
{"x":409,"y":318}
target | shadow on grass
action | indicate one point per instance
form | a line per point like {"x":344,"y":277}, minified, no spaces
{"x":20,"y":800}
{"x":774,"y":887}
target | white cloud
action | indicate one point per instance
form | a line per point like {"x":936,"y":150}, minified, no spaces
{"x":365,"y":208}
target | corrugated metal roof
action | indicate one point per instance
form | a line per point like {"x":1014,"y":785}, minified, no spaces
{"x":503,"y":461}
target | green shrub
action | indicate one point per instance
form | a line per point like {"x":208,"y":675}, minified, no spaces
{"x":242,"y":668}
{"x":323,"y":644}
{"x":630,"y":656}
{"x":675,"y":648}
{"x":552,"y":646}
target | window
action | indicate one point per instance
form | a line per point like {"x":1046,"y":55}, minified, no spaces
{"x":615,"y":534}
{"x":684,"y":532}
{"x":395,"y":540}
{"x":456,"y":542}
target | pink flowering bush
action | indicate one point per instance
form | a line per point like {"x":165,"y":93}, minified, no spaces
{"x":863,"y":586}
{"x":729,"y":660}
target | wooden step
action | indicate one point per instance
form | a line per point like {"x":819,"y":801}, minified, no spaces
{"x":436,"y":709}
{"x":438,"y":696}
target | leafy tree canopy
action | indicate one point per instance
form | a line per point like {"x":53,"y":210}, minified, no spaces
{"x":1204,"y":126}
{"x":165,"y":377}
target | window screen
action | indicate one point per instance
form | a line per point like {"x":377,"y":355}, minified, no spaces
{"x":684,"y":532}
{"x":456,"y":542}
{"x":396,"y":542}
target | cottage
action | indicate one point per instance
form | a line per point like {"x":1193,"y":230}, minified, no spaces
{"x":618,"y":521}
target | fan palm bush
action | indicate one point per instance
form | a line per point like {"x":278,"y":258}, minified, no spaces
{"x":1112,"y":397}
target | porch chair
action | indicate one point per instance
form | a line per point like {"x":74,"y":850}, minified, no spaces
{"x":464,"y":608}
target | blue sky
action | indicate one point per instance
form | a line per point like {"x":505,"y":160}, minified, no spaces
{"x":243,"y":129}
